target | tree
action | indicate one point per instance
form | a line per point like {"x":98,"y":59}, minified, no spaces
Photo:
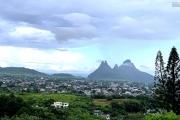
{"x":160,"y":82}
{"x":167,"y":82}
{"x":172,"y":84}
{"x":10,"y":105}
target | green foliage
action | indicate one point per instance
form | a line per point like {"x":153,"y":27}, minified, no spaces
{"x":36,"y":106}
{"x":165,"y":116}
{"x":173,"y":81}
{"x":38,"y":98}
{"x":160,"y":82}
{"x":80,"y":114}
{"x":10,"y":105}
{"x":134,"y":116}
{"x":133,"y":106}
{"x":167,"y":82}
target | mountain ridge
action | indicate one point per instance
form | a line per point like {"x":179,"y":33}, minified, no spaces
{"x":126,"y":71}
{"x":20,"y":71}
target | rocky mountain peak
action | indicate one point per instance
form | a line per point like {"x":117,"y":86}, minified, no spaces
{"x":127,"y":71}
{"x":128,"y":63}
{"x":116,"y":67}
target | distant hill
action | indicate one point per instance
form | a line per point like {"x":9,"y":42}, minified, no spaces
{"x":66,"y":76}
{"x":20,"y":71}
{"x":126,"y":71}
{"x":63,"y":75}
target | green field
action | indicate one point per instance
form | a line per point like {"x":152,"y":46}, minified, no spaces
{"x":45,"y":96}
{"x":105,"y":102}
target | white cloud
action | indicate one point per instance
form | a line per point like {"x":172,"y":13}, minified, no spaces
{"x":26,"y":33}
{"x":52,"y":60}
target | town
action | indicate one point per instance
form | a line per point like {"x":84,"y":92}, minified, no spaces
{"x":90,"y":88}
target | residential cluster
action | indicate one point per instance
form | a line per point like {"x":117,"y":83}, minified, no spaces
{"x":83,"y":87}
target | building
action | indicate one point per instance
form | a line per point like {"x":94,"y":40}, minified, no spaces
{"x":99,"y":113}
{"x":60,"y":105}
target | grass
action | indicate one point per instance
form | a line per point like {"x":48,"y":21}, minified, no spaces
{"x":101,"y":102}
{"x":105,"y":102}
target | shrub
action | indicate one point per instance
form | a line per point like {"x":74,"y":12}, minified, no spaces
{"x":165,"y":116}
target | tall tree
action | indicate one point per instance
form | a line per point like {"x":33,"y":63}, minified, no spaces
{"x":160,"y":82}
{"x":173,"y":69}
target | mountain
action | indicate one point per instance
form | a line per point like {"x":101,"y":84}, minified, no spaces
{"x":126,"y":71}
{"x":66,"y":76}
{"x":63,"y":75}
{"x":20,"y":71}
{"x":104,"y":71}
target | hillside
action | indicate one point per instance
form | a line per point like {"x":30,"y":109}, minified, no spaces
{"x":63,"y":75}
{"x":20,"y":71}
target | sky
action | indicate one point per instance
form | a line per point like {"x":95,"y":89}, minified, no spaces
{"x":74,"y":36}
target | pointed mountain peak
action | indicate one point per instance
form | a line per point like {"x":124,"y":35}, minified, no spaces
{"x":105,"y":62}
{"x":115,"y":67}
{"x":128,"y":63}
{"x":102,"y":62}
{"x":127,"y":71}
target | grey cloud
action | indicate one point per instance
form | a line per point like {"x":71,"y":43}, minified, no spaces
{"x":151,"y":27}
{"x":67,"y":33}
{"x":75,"y":21}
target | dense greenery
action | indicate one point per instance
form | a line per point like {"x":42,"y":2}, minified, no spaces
{"x":165,"y":116}
{"x":126,"y":109}
{"x":38,"y":107}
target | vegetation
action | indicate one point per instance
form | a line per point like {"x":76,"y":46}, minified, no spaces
{"x":126,"y":109}
{"x":165,"y":116}
{"x":20,"y":71}
{"x":24,"y":107}
{"x":167,"y":82}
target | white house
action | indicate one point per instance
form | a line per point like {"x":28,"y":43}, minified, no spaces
{"x":60,"y":105}
{"x":65,"y":105}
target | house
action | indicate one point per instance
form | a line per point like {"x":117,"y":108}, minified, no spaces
{"x":57,"y":104}
{"x":106,"y":116}
{"x":99,"y":113}
{"x":60,"y":105}
{"x":65,"y":105}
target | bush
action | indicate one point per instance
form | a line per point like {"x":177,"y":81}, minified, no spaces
{"x":10,"y":105}
{"x":165,"y":116}
{"x":133,"y":106}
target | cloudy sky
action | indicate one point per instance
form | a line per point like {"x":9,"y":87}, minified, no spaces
{"x":75,"y":35}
